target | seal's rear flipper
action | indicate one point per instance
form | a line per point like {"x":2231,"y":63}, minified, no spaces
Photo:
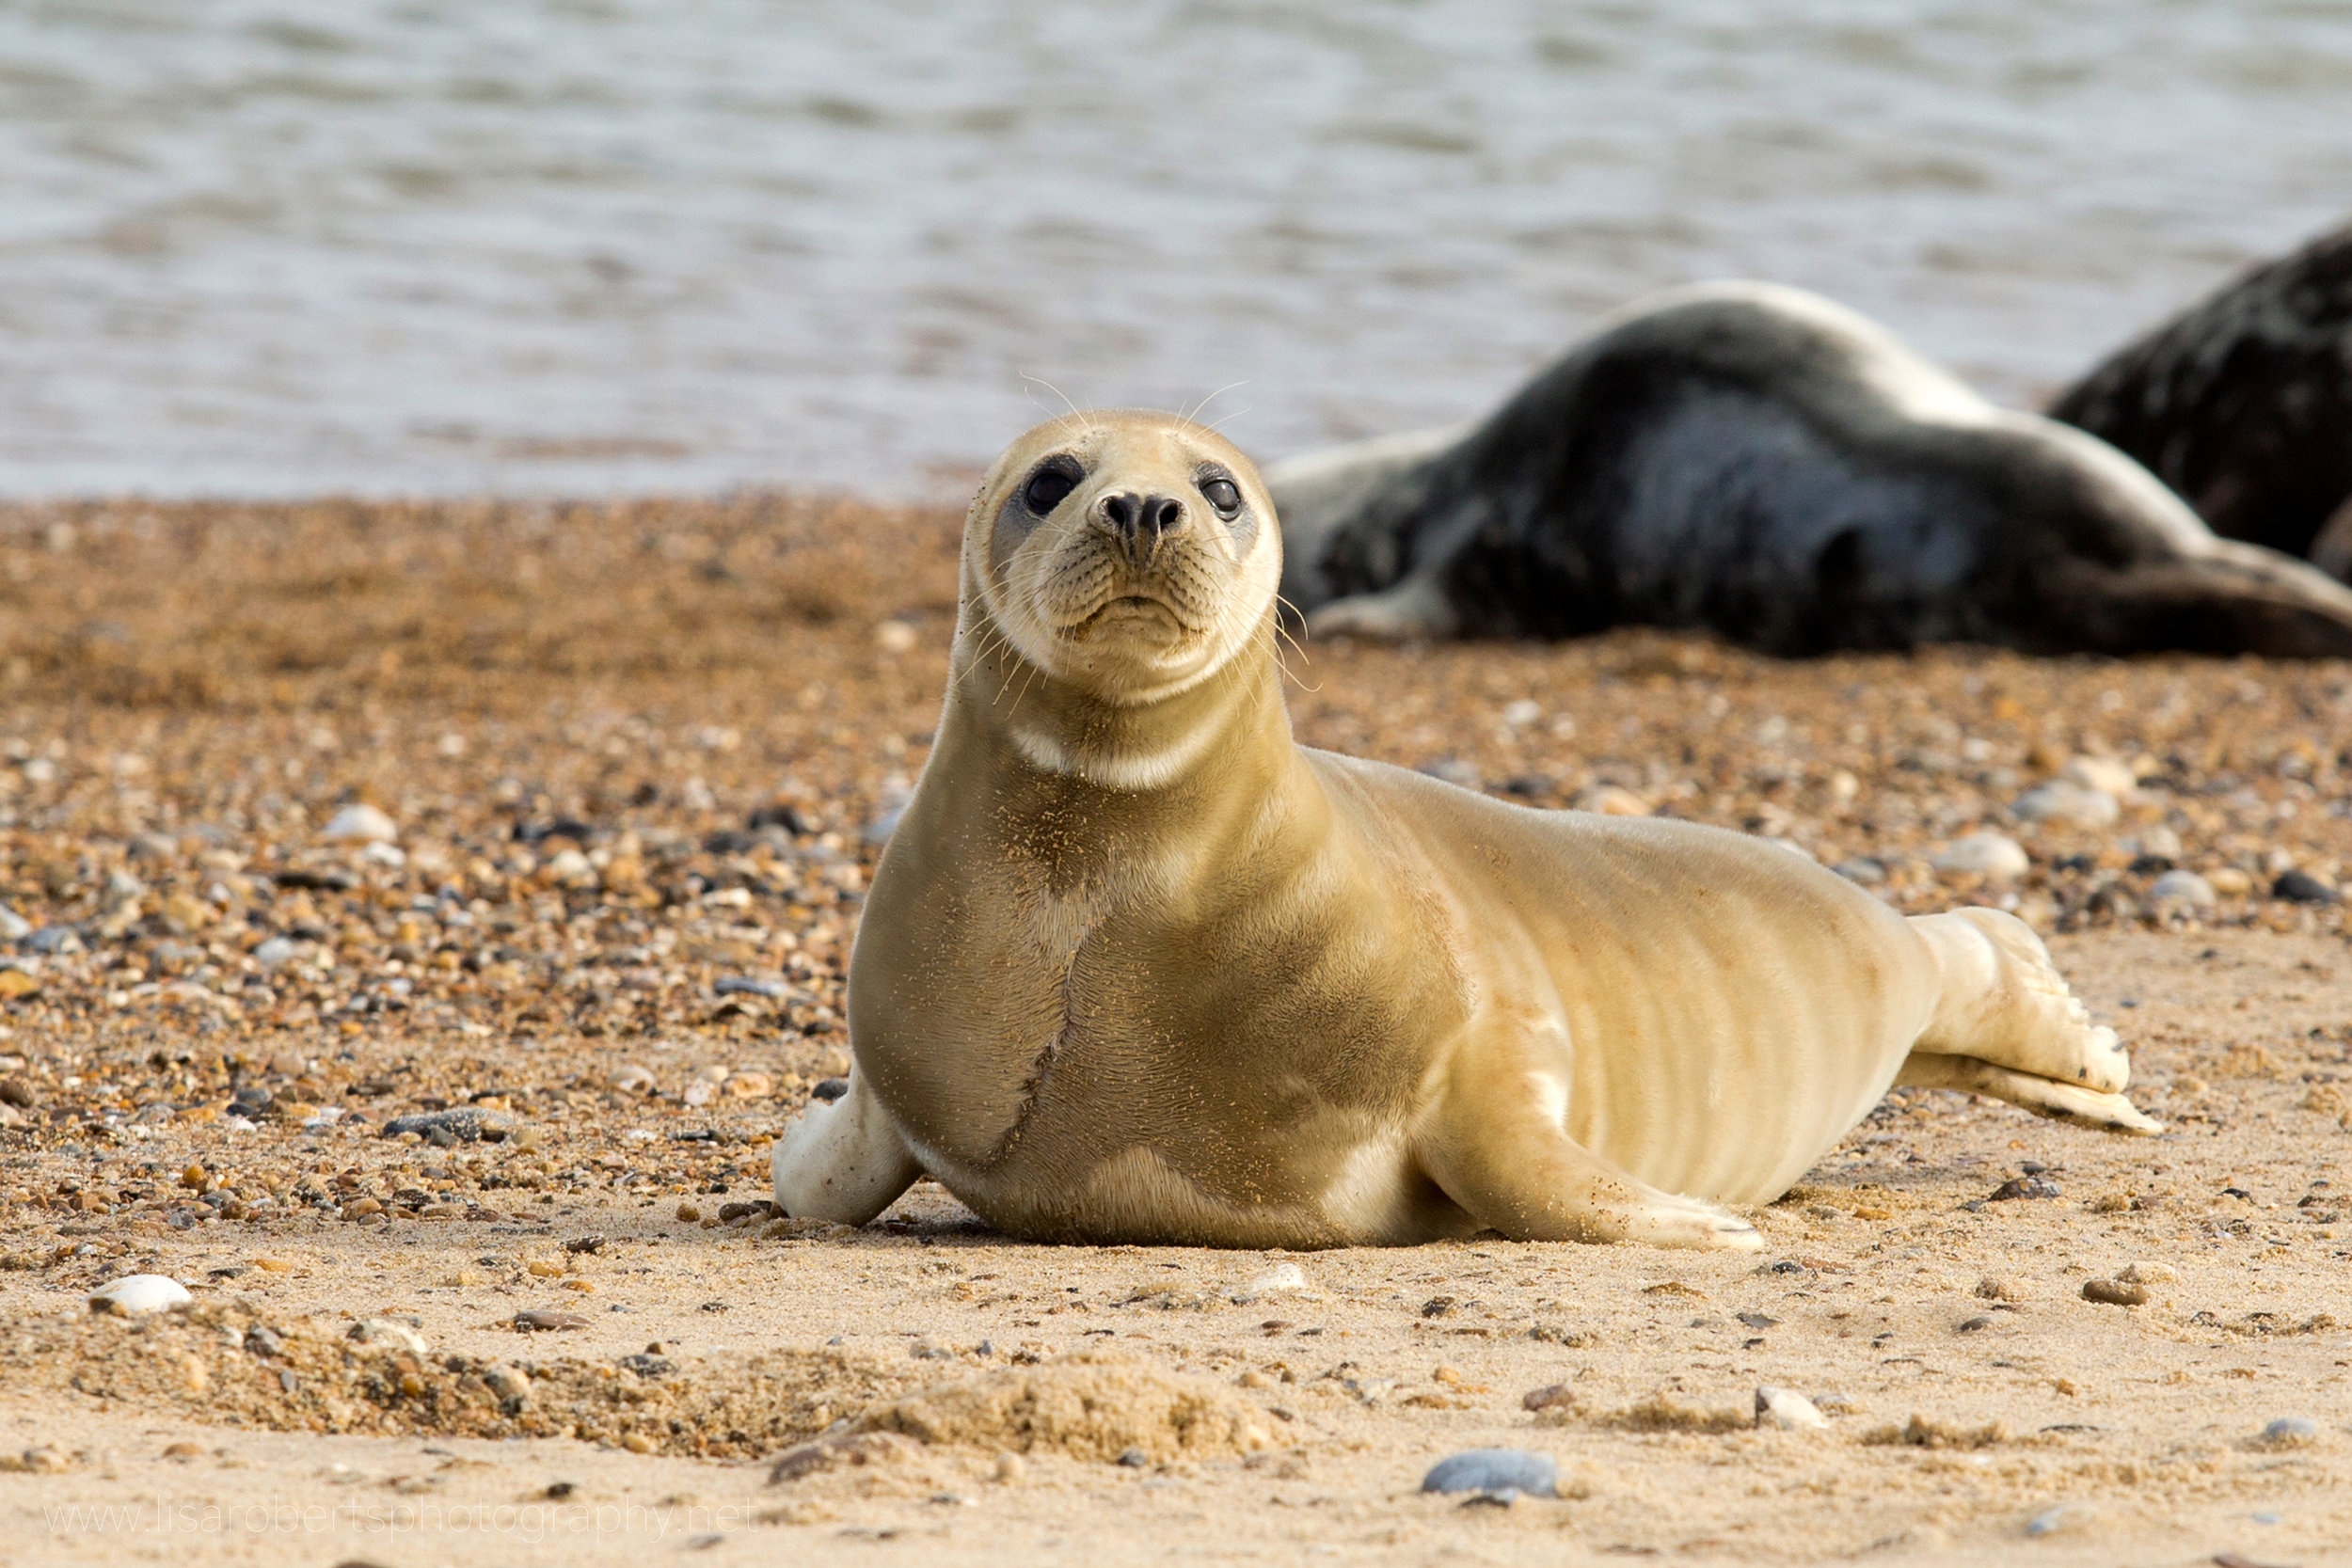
{"x":2044,"y":1097}
{"x":1415,"y":608}
{"x":2237,"y":600}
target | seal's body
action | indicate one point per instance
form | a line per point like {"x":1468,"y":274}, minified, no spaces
{"x":2243,"y":403}
{"x":1761,"y":462}
{"x":1137,"y":967}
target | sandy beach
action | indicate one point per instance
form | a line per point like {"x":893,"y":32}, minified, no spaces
{"x":549,"y":826}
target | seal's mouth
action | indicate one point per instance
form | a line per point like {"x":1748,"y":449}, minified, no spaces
{"x":1128,"y":612}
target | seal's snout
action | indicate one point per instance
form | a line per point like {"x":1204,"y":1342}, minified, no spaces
{"x":1140,"y":522}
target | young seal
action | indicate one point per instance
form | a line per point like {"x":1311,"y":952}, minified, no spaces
{"x":1137,"y":967}
{"x":2243,"y":403}
{"x":1759,"y":461}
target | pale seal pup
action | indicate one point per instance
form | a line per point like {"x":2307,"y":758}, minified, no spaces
{"x":1760,"y":462}
{"x":2243,"y":404}
{"x":1137,"y":967}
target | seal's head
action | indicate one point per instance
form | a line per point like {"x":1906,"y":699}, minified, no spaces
{"x":1129,"y":554}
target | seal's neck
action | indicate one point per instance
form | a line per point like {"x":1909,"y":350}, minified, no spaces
{"x":1220,"y":729}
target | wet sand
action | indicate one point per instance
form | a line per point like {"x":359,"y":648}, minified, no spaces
{"x":631,"y":756}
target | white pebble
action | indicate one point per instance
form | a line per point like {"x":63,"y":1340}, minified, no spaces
{"x":360,"y":824}
{"x":1788,"y":1410}
{"x":136,"y":1294}
{"x":386,"y":1331}
{"x":2063,"y":800}
{"x":1994,"y":855}
{"x":1609,"y":800}
{"x":2149,"y":1274}
{"x":1283,"y":1276}
{"x":2104,"y":774}
{"x":276,"y":951}
{"x":2291,"y":1432}
{"x":2183,"y":887}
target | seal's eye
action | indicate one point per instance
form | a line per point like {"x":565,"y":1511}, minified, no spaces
{"x":1050,"y":486}
{"x":1223,"y":494}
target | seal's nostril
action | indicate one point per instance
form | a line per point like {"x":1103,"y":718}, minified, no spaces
{"x":1119,"y":511}
{"x":1164,"y":514}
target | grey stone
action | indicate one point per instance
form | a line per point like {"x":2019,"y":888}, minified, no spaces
{"x":459,"y":1124}
{"x":2301,"y":887}
{"x":2183,"y":887}
{"x":1495,"y":1473}
{"x":1991,"y":855}
{"x":54,"y":940}
{"x":744,"y":985}
{"x":2063,"y":800}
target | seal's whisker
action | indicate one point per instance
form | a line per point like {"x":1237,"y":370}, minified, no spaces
{"x":1193,"y":417}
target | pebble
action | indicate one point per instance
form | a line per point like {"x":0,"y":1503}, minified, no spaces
{"x":1552,"y":1396}
{"x":1611,"y":800}
{"x":1454,"y":771}
{"x":2104,"y":774}
{"x":359,"y":824}
{"x":136,"y":1294}
{"x":2291,"y":1432}
{"x":1787,"y":1411}
{"x":2062,"y":801}
{"x":2115,"y":1292}
{"x":512,"y":1385}
{"x":569,"y":867}
{"x":830,"y":1089}
{"x":1495,"y":1473}
{"x":1993,"y":1288}
{"x":744,"y":985}
{"x":540,"y":1321}
{"x":13,"y":927}
{"x":1283,"y":1276}
{"x":459,"y":1124}
{"x":2149,"y":1274}
{"x":2025,"y":1186}
{"x":2301,"y":887}
{"x":2183,"y":887}
{"x":387,"y":1331}
{"x":1862,"y":869}
{"x":2065,"y":1519}
{"x":1991,"y":855}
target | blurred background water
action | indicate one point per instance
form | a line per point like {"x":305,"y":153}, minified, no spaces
{"x":274,"y":246}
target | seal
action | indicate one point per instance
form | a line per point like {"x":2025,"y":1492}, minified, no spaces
{"x":1137,"y":967}
{"x":1761,"y":462}
{"x":2243,"y":404}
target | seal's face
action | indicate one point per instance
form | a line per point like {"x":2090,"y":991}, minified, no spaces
{"x":1130,"y":554}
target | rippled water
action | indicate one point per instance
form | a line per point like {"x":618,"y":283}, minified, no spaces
{"x":283,"y":246}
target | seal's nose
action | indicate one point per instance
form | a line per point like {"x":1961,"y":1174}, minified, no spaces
{"x":1140,"y":522}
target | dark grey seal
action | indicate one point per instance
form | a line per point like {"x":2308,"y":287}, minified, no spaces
{"x":1761,"y":462}
{"x":2243,"y":403}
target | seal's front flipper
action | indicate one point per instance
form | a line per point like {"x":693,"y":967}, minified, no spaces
{"x":1518,"y":1173}
{"x":844,"y":1162}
